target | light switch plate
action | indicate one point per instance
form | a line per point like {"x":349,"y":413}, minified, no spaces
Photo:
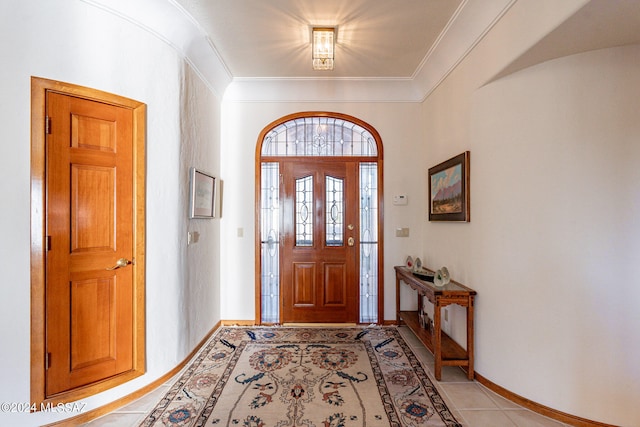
{"x":402,"y":232}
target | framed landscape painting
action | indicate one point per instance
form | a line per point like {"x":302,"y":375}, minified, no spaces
{"x":449,"y":190}
{"x":201,"y":194}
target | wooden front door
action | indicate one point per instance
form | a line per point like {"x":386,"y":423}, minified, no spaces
{"x":90,"y":228}
{"x":320,"y":232}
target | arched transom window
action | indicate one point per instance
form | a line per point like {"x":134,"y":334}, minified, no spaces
{"x":319,"y":136}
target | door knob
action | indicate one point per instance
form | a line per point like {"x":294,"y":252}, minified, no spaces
{"x":122,"y":262}
{"x":350,"y":241}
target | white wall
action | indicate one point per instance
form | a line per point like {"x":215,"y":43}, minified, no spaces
{"x":559,"y":180}
{"x":75,"y":42}
{"x":399,"y":127}
{"x":555,"y":210}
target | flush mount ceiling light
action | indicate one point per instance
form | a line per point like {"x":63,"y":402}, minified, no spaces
{"x":323,"y":44}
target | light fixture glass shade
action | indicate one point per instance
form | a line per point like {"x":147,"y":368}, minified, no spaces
{"x":323,"y":43}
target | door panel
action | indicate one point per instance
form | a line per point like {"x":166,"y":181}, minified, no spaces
{"x":89,"y":309}
{"x":320,"y":272}
{"x":92,"y":216}
{"x":92,"y":303}
{"x":304,"y":286}
{"x":335,"y":284}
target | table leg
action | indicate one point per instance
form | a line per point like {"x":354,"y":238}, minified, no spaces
{"x":470,"y":349}
{"x":397,"y":300}
{"x":437,"y":340}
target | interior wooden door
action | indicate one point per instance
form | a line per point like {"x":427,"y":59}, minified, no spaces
{"x":319,"y":252}
{"x":89,"y":223}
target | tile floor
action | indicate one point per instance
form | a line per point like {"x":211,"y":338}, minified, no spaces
{"x":472,"y":404}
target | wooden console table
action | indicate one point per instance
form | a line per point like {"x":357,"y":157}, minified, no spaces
{"x":445,"y":350}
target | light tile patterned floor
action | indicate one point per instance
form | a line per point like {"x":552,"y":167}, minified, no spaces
{"x":472,"y":404}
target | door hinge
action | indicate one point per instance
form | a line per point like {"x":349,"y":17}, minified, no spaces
{"x":48,"y":243}
{"x":47,"y":360}
{"x":47,"y":125}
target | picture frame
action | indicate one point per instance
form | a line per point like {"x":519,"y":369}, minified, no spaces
{"x":449,"y":190}
{"x":202,"y":194}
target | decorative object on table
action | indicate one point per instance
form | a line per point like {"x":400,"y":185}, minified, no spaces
{"x":201,"y":194}
{"x":409,"y":263}
{"x":449,"y":190}
{"x":437,"y":279}
{"x":425,"y":275}
{"x":417,"y":266}
{"x":425,"y":321}
{"x":446,"y":277}
{"x":253,"y":376}
{"x":428,"y":325}
{"x":441,"y":277}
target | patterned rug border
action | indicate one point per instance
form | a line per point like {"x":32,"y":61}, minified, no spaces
{"x":435,"y":398}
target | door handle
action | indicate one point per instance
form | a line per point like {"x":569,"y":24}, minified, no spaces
{"x":122,"y":262}
{"x":350,"y":241}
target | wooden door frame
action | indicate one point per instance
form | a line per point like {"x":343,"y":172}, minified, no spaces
{"x":259,"y":159}
{"x":39,"y":89}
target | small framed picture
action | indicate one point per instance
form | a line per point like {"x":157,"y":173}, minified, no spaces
{"x":202,"y":188}
{"x":449,"y":190}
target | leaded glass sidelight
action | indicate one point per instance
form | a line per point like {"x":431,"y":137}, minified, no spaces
{"x":368,"y":242}
{"x":304,"y":211}
{"x":334,"y":216}
{"x":270,"y":241}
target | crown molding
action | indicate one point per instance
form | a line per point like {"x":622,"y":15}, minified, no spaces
{"x":169,"y":22}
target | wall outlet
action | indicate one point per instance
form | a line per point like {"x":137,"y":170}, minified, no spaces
{"x":192,"y":237}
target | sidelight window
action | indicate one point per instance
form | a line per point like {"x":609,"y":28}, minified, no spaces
{"x":270,"y":241}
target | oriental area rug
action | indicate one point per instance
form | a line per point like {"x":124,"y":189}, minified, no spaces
{"x":299,"y":376}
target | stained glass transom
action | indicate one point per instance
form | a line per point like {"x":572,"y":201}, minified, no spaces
{"x":319,"y":136}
